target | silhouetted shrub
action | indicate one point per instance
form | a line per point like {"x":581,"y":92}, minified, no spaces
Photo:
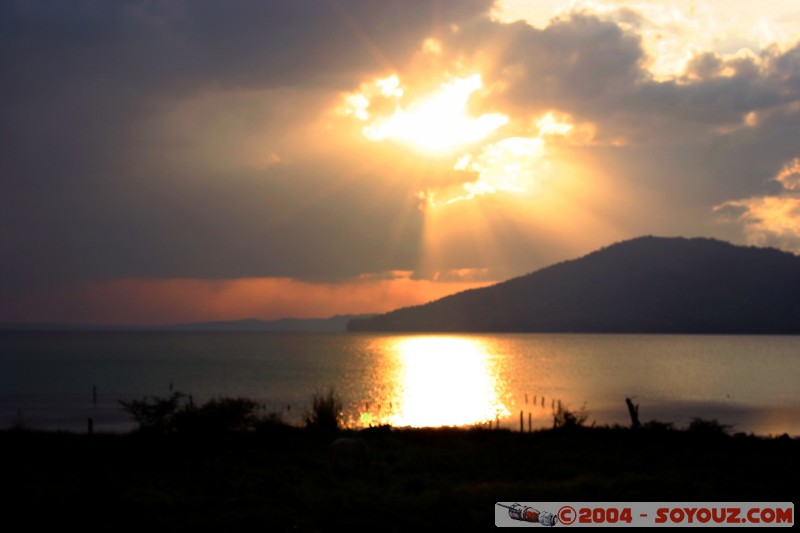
{"x":708,"y":427}
{"x":326,"y":411}
{"x":154,"y":414}
{"x":656,"y":425}
{"x":220,"y":415}
{"x":273,"y":418}
{"x":217,"y":416}
{"x":270,"y":422}
{"x":564,"y":418}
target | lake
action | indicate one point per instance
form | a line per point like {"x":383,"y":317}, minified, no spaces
{"x":749,"y":382}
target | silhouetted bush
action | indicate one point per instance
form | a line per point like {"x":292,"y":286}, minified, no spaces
{"x":326,"y":411}
{"x":656,"y":425}
{"x":217,"y":416}
{"x":271,"y":422}
{"x":154,"y":414}
{"x":708,"y":427}
{"x":274,"y":418}
{"x":564,"y":418}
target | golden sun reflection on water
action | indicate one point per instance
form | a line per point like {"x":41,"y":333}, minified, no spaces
{"x":444,"y":381}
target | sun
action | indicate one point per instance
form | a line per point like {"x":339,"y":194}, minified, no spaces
{"x":436,"y":123}
{"x":475,"y":155}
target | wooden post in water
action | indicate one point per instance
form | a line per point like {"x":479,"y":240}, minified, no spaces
{"x":530,"y":422}
{"x":521,"y":423}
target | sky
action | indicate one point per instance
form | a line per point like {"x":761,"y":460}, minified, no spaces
{"x":195,"y":160}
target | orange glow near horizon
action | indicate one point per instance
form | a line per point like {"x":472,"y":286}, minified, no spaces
{"x":170,"y":301}
{"x":445,"y":381}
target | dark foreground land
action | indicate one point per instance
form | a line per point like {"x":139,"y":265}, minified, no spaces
{"x":279,"y":477}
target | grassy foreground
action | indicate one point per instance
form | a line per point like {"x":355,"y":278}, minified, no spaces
{"x":278,"y":477}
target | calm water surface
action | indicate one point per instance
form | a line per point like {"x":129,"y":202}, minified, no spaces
{"x":750,"y":382}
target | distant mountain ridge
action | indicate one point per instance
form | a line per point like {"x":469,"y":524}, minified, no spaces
{"x":333,"y":324}
{"x":644,"y":285}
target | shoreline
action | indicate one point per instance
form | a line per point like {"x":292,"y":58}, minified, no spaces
{"x":110,"y":415}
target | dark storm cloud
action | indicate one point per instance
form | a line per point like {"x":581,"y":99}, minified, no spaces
{"x":87,"y":189}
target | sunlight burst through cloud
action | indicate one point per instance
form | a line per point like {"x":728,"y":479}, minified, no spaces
{"x":550,"y":125}
{"x":437,"y":123}
{"x":503,"y":166}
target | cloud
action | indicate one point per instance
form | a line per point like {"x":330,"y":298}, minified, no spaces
{"x":81,"y":77}
{"x":573,"y":64}
{"x":697,"y":136}
{"x":671,"y":31}
{"x":465,"y":275}
{"x":772,"y":220}
{"x":690,"y":136}
{"x":205,"y":140}
{"x":596,"y":67}
{"x":139,"y":138}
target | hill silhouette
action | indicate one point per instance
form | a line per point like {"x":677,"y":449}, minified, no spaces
{"x":644,"y":285}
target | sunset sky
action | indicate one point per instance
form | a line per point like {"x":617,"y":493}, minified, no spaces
{"x":192,"y":160}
